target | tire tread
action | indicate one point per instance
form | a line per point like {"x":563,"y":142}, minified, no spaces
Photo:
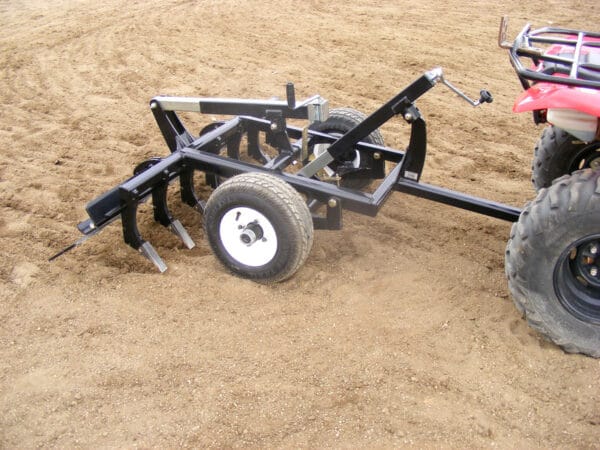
{"x":552,"y":205}
{"x":272,"y":189}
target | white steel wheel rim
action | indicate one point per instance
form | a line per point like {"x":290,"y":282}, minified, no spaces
{"x":242,"y":224}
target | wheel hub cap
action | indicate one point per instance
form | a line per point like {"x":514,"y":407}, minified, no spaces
{"x":251,"y":233}
{"x":248,"y":236}
{"x":577,"y":279}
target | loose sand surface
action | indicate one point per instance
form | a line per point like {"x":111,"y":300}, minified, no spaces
{"x":398,"y":330}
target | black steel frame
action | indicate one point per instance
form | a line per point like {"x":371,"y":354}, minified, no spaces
{"x":203,"y":153}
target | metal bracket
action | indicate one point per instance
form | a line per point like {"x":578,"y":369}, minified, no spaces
{"x":277,"y":135}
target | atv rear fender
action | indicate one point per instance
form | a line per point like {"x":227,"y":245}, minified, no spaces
{"x":575,"y":110}
{"x":558,"y":96}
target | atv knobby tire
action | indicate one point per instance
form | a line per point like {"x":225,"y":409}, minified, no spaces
{"x":339,"y":122}
{"x":559,"y":153}
{"x":551,"y":265}
{"x":259,"y":227}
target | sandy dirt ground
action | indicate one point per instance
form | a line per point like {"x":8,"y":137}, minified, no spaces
{"x":398,"y":330}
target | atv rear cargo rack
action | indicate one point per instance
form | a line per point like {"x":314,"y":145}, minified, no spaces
{"x":575,"y":67}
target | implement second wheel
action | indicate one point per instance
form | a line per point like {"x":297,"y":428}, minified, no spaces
{"x":357,"y":168}
{"x":259,"y":227}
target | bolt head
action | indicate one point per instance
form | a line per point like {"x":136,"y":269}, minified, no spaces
{"x":332,"y":203}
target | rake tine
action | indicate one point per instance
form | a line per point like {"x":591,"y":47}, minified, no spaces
{"x":163,"y":216}
{"x":149,"y":252}
{"x":132,"y":236}
{"x":178,"y":230}
{"x":188,"y":195}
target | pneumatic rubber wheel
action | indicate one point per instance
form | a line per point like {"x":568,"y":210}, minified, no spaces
{"x":357,"y":167}
{"x":559,"y":153}
{"x":259,"y":227}
{"x":553,"y":262}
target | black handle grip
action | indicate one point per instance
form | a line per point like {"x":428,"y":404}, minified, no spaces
{"x":485,"y":96}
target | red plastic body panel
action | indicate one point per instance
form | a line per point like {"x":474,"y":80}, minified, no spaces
{"x":547,"y":95}
{"x":544,"y":95}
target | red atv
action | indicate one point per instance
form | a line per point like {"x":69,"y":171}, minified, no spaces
{"x":553,"y":255}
